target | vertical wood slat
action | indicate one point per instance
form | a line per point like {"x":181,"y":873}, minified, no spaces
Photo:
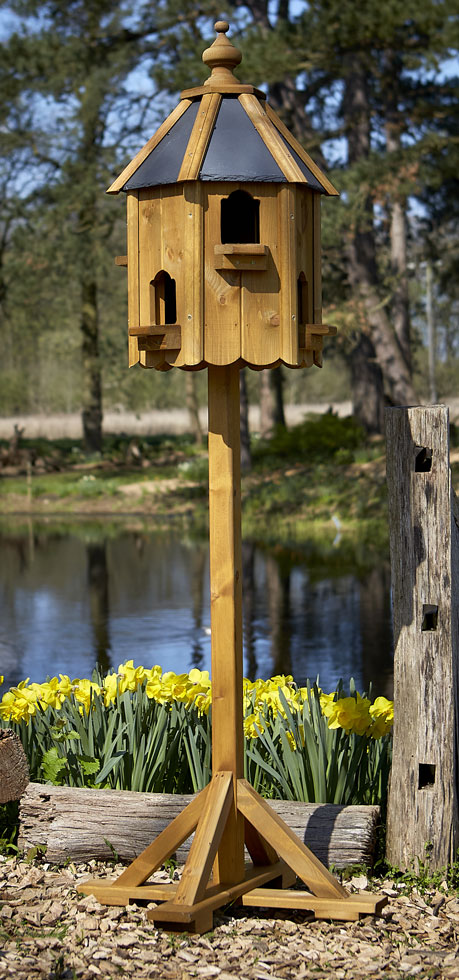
{"x":200,"y":136}
{"x":226,"y":603}
{"x":222,"y":292}
{"x":288,"y":341}
{"x":317,"y":252}
{"x":193,"y":272}
{"x":424,"y":540}
{"x":133,"y":271}
{"x":260,"y":290}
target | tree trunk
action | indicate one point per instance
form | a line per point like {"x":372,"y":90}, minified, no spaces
{"x":92,"y":382}
{"x":361,"y":246}
{"x":400,"y":307}
{"x":277,"y":385}
{"x":400,"y":300}
{"x":193,"y":407}
{"x":271,"y":401}
{"x":367,"y":386}
{"x":99,"y":602}
{"x":266,"y":406}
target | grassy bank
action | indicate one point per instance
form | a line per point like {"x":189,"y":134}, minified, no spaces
{"x":320,"y":481}
{"x":320,"y":484}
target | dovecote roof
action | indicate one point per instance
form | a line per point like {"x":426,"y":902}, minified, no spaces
{"x":222,"y":131}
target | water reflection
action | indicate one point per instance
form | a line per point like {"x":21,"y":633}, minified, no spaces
{"x":70,"y":600}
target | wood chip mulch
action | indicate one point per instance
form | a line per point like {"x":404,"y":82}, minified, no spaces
{"x":49,"y":931}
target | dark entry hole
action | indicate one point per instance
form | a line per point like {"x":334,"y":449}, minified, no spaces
{"x":302,"y":298}
{"x":429,"y":618}
{"x":163,"y":300}
{"x":426,"y":776}
{"x":423,"y":460}
{"x":240,"y":219}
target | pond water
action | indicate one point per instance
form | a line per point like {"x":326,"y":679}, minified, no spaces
{"x":72,"y":598}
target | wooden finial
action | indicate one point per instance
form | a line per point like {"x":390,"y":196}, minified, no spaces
{"x":222,"y":57}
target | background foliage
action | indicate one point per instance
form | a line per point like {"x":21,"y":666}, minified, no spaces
{"x":369,"y":89}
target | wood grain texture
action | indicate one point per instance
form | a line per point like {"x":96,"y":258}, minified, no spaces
{"x":270,"y":136}
{"x":222,"y":313}
{"x":209,"y":832}
{"x":260,"y":291}
{"x":351,"y":908}
{"x":200,"y":136}
{"x":306,"y":256}
{"x":111,"y":893}
{"x":423,"y":808}
{"x":133,"y":272}
{"x":317,"y":267}
{"x":226,"y":602}
{"x":14,"y":769}
{"x":288,"y":341}
{"x":71,"y":823}
{"x":166,"y":843}
{"x":199,"y":915}
{"x":192,"y":351}
{"x":295,"y":854}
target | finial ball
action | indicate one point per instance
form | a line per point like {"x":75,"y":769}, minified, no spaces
{"x":221,"y":26}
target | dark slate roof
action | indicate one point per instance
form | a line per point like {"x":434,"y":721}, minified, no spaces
{"x":233,"y":150}
{"x":236,"y":151}
{"x":163,"y":164}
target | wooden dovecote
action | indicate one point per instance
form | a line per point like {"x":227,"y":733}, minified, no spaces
{"x":223,"y":232}
{"x":223,"y":266}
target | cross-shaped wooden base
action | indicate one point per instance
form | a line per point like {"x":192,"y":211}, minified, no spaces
{"x":278,"y":858}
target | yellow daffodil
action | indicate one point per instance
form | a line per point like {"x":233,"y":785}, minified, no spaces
{"x":382,"y":713}
{"x":83,"y":691}
{"x":352,"y":714}
{"x":253,"y":726}
{"x":19,"y":703}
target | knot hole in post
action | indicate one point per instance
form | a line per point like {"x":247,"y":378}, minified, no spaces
{"x":422,"y":459}
{"x":426,"y":777}
{"x":429,"y":617}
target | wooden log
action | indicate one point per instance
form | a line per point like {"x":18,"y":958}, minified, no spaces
{"x":74,"y":823}
{"x":422,"y":823}
{"x":14,"y":771}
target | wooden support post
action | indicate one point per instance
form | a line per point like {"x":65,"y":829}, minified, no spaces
{"x":422,"y":820}
{"x":226,"y":603}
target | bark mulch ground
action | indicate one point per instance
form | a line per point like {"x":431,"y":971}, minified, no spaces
{"x":48,"y":931}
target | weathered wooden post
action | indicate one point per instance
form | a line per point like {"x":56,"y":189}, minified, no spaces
{"x":423,"y":820}
{"x":224,"y":271}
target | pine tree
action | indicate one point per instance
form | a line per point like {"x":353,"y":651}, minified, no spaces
{"x":69,"y":60}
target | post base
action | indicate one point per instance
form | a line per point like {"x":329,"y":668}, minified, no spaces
{"x":278,"y":857}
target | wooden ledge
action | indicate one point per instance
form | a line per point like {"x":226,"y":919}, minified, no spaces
{"x":310,"y":335}
{"x":193,"y":93}
{"x":243,"y":257}
{"x":160,"y":336}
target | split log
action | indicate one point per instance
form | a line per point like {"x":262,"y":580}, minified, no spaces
{"x":79,"y":824}
{"x":14,"y":771}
